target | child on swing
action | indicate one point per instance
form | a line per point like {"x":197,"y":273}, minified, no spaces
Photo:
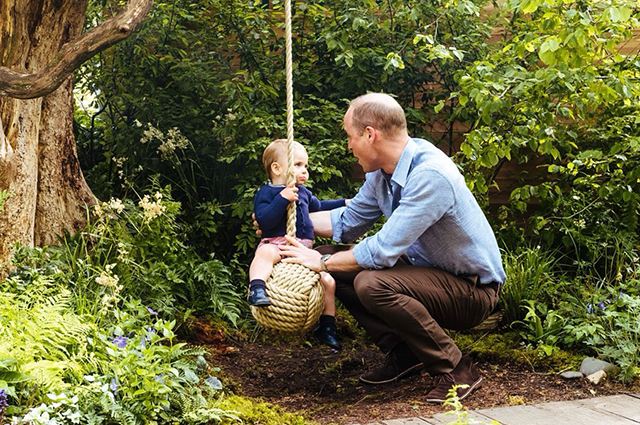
{"x":270,"y":206}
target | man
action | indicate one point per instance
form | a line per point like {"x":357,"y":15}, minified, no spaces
{"x":434,"y":264}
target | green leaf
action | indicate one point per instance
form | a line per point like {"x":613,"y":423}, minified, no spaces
{"x":551,"y":44}
{"x":439,"y":106}
{"x":530,"y":6}
{"x":548,"y":57}
{"x":14,"y":377}
{"x":618,"y":14}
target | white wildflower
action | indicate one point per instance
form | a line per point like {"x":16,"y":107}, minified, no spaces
{"x":107,"y":278}
{"x":174,"y":140}
{"x":98,"y":211}
{"x":123,"y":253}
{"x":151,"y":133}
{"x":152,"y":209}
{"x":116,"y":205}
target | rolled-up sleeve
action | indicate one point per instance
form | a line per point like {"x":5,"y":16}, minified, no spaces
{"x":352,"y":221}
{"x":426,"y":197}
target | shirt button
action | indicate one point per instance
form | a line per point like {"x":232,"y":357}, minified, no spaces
{"x":413,"y":259}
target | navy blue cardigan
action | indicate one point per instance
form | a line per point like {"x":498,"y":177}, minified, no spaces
{"x":271,"y":210}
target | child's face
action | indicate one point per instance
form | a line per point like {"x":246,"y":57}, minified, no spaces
{"x":300,"y":164}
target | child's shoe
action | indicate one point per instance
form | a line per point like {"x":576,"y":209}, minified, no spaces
{"x":326,"y":334}
{"x":258,"y":297}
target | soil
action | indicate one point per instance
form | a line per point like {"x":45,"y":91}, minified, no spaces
{"x":323,"y":384}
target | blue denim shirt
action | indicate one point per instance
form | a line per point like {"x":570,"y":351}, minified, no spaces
{"x":432,"y":217}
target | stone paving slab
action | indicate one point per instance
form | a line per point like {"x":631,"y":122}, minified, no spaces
{"x":623,"y":409}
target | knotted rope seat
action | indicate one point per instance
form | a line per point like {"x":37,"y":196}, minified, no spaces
{"x":297,"y":297}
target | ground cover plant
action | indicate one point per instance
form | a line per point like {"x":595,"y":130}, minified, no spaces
{"x":170,"y":126}
{"x":87,"y":333}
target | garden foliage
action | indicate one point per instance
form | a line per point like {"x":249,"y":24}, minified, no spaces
{"x":180,"y":113}
{"x":84,"y":334}
{"x":197,"y":94}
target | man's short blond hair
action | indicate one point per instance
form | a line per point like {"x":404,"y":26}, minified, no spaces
{"x":379,"y":111}
{"x":276,"y":151}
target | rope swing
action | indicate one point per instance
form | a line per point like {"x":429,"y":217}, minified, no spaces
{"x":297,"y":297}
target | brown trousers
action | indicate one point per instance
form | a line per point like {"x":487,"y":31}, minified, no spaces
{"x":413,"y":304}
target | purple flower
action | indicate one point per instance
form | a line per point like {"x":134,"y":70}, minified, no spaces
{"x":590,"y":308}
{"x":3,"y":402}
{"x":120,"y":341}
{"x":153,"y":313}
{"x":601,"y":306}
{"x":114,"y":386}
{"x":143,"y":343}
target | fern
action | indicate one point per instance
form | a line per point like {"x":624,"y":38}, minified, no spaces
{"x":39,"y":330}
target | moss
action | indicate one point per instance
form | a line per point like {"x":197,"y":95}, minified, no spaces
{"x":509,"y":347}
{"x":252,"y":411}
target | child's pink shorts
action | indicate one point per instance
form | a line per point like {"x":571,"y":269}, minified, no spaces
{"x":281,"y":240}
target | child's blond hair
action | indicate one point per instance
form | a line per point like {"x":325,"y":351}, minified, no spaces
{"x":276,"y":151}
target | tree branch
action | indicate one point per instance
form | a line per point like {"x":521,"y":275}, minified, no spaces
{"x":32,"y":85}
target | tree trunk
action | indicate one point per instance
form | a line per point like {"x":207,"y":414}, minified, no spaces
{"x":40,"y":164}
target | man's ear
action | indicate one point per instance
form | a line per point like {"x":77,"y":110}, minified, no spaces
{"x":371,"y":133}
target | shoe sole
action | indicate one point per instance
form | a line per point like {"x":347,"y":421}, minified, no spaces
{"x":263,"y":304}
{"x":415,"y":368}
{"x":472,"y":388}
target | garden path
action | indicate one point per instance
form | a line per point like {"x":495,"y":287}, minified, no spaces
{"x":623,"y":409}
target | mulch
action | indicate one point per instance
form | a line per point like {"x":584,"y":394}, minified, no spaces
{"x":323,"y":384}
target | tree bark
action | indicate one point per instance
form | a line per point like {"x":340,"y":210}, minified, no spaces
{"x":29,"y":85}
{"x":38,"y":159}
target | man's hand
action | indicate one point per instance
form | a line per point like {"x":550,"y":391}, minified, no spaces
{"x":299,"y":254}
{"x":290,"y":192}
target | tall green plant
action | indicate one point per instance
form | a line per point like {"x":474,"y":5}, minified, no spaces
{"x":529,"y":277}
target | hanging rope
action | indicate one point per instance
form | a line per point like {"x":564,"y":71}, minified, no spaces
{"x":296,"y":295}
{"x":291,"y":208}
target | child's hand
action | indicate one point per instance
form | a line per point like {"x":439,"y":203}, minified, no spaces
{"x":290,"y":192}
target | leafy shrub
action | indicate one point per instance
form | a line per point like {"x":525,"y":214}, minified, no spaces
{"x":123,"y":366}
{"x":608,"y":321}
{"x":139,"y":251}
{"x":557,"y":92}
{"x":541,"y":326}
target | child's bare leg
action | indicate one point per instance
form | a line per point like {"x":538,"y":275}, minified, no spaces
{"x":329,"y":284}
{"x":262,"y":264}
{"x":326,"y":332}
{"x":259,"y":271}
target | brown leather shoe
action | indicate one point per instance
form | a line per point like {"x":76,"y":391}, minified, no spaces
{"x":464,"y":374}
{"x":400,"y":362}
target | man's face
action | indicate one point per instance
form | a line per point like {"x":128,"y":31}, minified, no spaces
{"x":359,"y":143}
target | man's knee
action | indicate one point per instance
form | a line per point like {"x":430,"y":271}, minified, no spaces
{"x":368,"y":285}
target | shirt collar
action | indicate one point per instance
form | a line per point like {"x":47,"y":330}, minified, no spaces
{"x":404,"y":163}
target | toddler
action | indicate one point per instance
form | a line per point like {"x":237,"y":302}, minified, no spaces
{"x":270,"y":206}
